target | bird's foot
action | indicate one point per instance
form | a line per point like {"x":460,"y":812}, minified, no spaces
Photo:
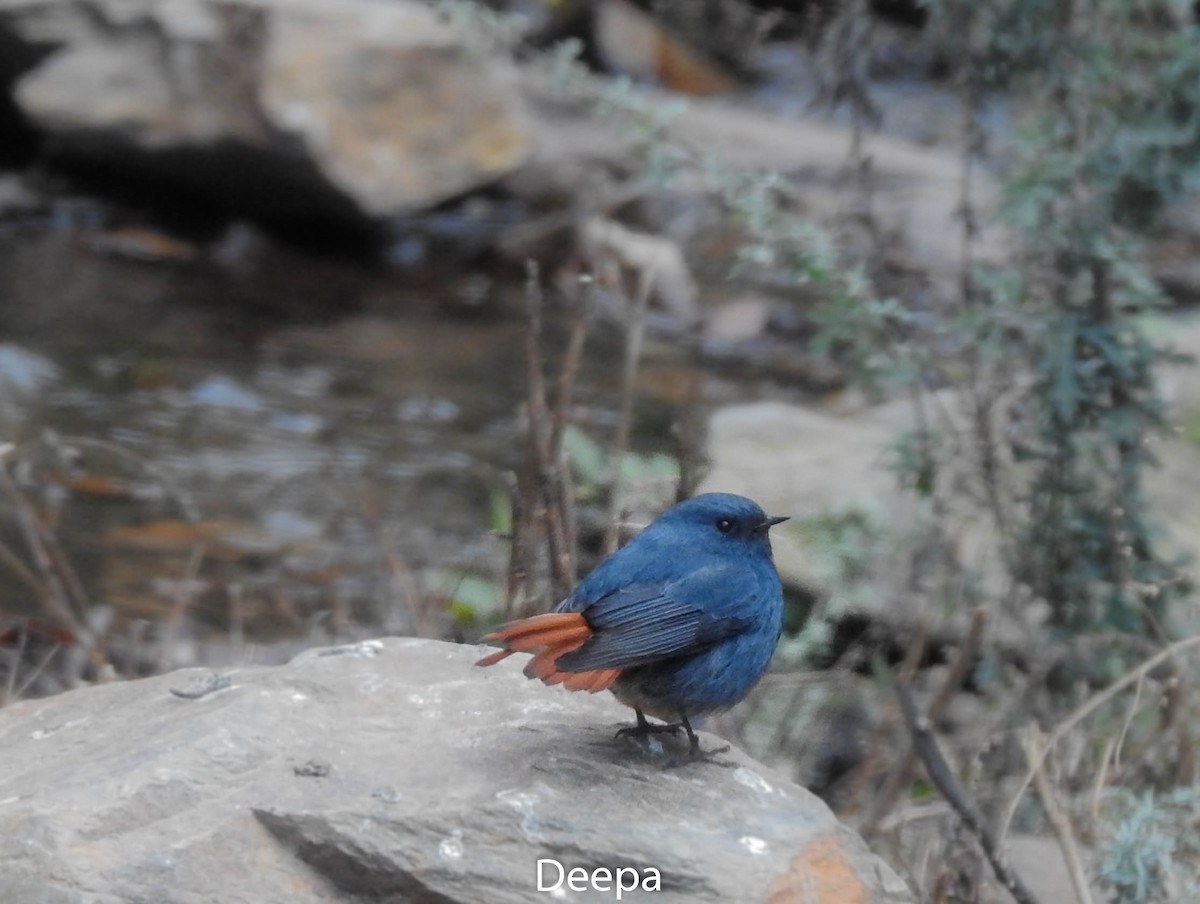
{"x":644,"y":729}
{"x":697,"y":755}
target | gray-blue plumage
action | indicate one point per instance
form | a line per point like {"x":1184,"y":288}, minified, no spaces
{"x":691,"y":609}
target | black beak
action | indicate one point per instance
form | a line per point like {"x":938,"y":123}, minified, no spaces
{"x":765,"y":525}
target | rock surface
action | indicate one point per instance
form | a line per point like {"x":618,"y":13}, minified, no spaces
{"x":916,"y":192}
{"x":275,"y":107}
{"x":805,"y":462}
{"x":808,"y":462}
{"x":390,"y":771}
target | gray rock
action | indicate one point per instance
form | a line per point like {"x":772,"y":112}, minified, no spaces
{"x":808,"y":461}
{"x":277,"y":107}
{"x":805,"y":462}
{"x":915,"y":191}
{"x":390,"y":771}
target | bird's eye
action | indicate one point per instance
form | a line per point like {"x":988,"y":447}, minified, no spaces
{"x":724,"y":525}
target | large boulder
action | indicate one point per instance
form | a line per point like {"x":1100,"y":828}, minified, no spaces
{"x":273,"y":107}
{"x":392,"y":771}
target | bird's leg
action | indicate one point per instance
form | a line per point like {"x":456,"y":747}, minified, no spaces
{"x":694,"y":741}
{"x":644,"y":728}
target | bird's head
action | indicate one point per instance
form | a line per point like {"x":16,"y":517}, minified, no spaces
{"x":723,"y":521}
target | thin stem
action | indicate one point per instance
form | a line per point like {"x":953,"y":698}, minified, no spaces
{"x":633,"y":353}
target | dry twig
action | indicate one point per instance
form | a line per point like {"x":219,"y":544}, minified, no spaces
{"x":1060,"y":822}
{"x":543,"y":492}
{"x":1086,"y":709}
{"x":547,"y":475}
{"x":633,"y":354}
{"x":60,"y":592}
{"x":959,"y":670}
{"x":942,"y":776}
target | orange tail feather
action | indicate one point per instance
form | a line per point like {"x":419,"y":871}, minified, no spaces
{"x":495,"y":657}
{"x":593,"y":681}
{"x":548,"y":637}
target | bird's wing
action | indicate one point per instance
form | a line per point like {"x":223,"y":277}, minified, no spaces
{"x":643,"y":623}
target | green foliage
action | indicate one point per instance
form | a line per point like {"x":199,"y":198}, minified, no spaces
{"x":777,"y":246}
{"x":843,"y":546}
{"x":1153,"y":853}
{"x":499,"y":510}
{"x":642,"y":118}
{"x":488,"y":30}
{"x":1191,"y":427}
{"x":916,"y":469}
{"x":591,"y":464}
{"x":475,"y":600}
{"x":1109,"y":132}
{"x":1114,"y":130}
{"x":852,"y":323}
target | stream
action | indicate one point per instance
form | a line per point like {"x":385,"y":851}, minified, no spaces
{"x":244,"y":458}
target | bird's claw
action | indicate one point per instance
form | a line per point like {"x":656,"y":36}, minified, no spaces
{"x":645,"y":729}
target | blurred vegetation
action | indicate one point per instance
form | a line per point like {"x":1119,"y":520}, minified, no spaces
{"x":1056,"y":376}
{"x":1153,"y":836}
{"x":1057,"y":381}
{"x":1036,"y":391}
{"x":1110,"y":129}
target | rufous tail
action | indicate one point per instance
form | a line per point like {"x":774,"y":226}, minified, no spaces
{"x":548,"y":637}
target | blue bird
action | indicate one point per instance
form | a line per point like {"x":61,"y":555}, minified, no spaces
{"x":679,"y":622}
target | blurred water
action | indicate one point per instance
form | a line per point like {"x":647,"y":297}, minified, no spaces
{"x":314,"y":445}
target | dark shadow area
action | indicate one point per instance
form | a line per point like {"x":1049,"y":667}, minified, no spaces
{"x":196,"y":193}
{"x":18,"y":140}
